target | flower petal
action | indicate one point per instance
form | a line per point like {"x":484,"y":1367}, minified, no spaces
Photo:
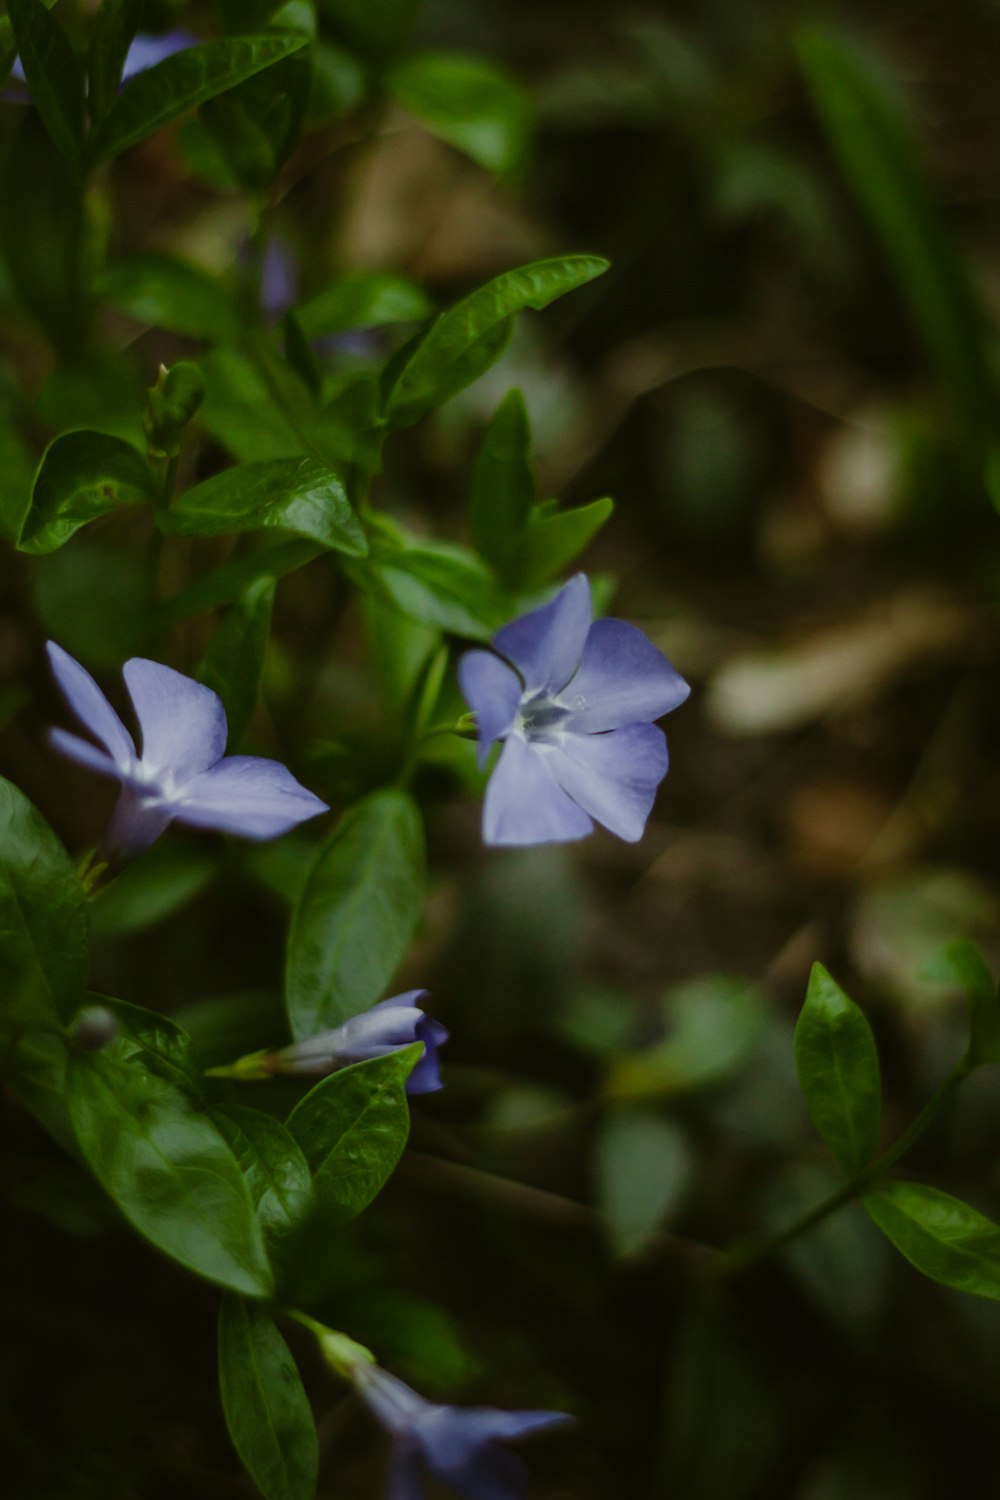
{"x":137,"y":821}
{"x":623,"y":679}
{"x":83,"y":752}
{"x":405,"y":1482}
{"x":148,"y":49}
{"x":458,"y":1444}
{"x":524,"y":803}
{"x":246,"y":795}
{"x":183,"y":723}
{"x":546,"y":645}
{"x":91,"y":707}
{"x":614,"y":776}
{"x":492,"y":690}
{"x":426,"y":1075}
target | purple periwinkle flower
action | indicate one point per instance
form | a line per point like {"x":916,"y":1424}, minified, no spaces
{"x":458,"y":1445}
{"x":183,"y":773}
{"x":574,"y":703}
{"x":387,"y":1027}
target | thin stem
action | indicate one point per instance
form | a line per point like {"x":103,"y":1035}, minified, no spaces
{"x":746,"y":1253}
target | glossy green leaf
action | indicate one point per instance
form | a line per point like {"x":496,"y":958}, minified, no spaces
{"x":940,"y":1235}
{"x":353,"y":1126}
{"x":275,"y":1168}
{"x":366,"y":299}
{"x":169,"y":89}
{"x":111,"y":33}
{"x":267,"y":1410}
{"x":438,"y":362}
{"x":440,"y":585}
{"x":837,"y":1063}
{"x":82,"y":475}
{"x":301,"y":495}
{"x":164,"y":1046}
{"x":555,"y":538}
{"x":878,"y":155}
{"x":642,"y":1166}
{"x":167,"y":1167}
{"x":169,"y":293}
{"x":54,"y":73}
{"x":468,"y":103}
{"x":502,"y":493}
{"x":233,"y":664}
{"x":44,"y":940}
{"x":358,"y":913}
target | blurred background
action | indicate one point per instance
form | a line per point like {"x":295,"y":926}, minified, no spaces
{"x":787,"y":381}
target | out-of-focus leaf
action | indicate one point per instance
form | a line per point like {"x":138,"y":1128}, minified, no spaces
{"x":111,"y":33}
{"x":82,"y":475}
{"x":233,"y":664}
{"x":555,"y":538}
{"x":152,"y":889}
{"x":276,"y":1171}
{"x":257,"y":125}
{"x":439,"y":366}
{"x":838,"y":1068}
{"x":301,"y":495}
{"x":468,"y":103}
{"x":65,"y":585}
{"x":438,"y":584}
{"x":339,"y":84}
{"x":44,"y":940}
{"x":364,"y":299}
{"x":877,"y":153}
{"x":940,"y":1235}
{"x":169,"y":89}
{"x":962,"y":965}
{"x":225,"y":584}
{"x":503,"y":488}
{"x":15,"y":489}
{"x":167,"y":1168}
{"x":713,"y":1023}
{"x":54,"y":73}
{"x":642,"y":1165}
{"x":170,"y":293}
{"x":357,"y":914}
{"x":353,"y":1126}
{"x":266,"y":1408}
{"x":376,"y":26}
{"x":401,"y":648}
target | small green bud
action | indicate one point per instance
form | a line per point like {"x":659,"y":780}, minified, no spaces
{"x":170,"y":406}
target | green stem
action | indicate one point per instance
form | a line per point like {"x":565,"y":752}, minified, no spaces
{"x":746,"y":1253}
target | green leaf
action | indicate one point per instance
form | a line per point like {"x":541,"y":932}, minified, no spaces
{"x":358,"y":912}
{"x":961,"y":964}
{"x":167,"y":1167}
{"x":274,"y":1166}
{"x":44,"y":937}
{"x":438,"y":584}
{"x":82,"y":475}
{"x":18,"y":472}
{"x":436,"y":368}
{"x":265,"y":1404}
{"x":233,"y":665}
{"x":503,"y":488}
{"x":468,"y":103}
{"x":301,"y":495}
{"x":643,"y":1164}
{"x":165,"y":1047}
{"x":257,"y":125}
{"x":366,"y":299}
{"x":54,"y":74}
{"x":940,"y":1235}
{"x":838,"y":1070}
{"x":169,"y":89}
{"x":169,"y":293}
{"x":375,"y":26}
{"x":878,"y":155}
{"x":353,"y":1126}
{"x":557,"y":537}
{"x":111,"y":34}
{"x":226,"y":584}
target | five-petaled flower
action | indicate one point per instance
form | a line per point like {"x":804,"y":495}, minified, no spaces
{"x":386,"y":1027}
{"x":574,"y":704}
{"x":458,"y":1445}
{"x":183,"y":773}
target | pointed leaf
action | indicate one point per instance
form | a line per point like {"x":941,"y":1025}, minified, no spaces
{"x":302,"y":495}
{"x":360,"y":907}
{"x":557,"y":537}
{"x":82,"y":475}
{"x":111,"y":33}
{"x":437,"y":584}
{"x":266,"y":1408}
{"x":274,"y":1166}
{"x":503,"y":487}
{"x":54,"y":73}
{"x":838,"y":1069}
{"x":353,"y":1126}
{"x":169,"y":89}
{"x":167,"y":1168}
{"x":940,"y":1235}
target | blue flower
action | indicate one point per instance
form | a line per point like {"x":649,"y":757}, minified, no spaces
{"x":145,"y":51}
{"x":183,"y":773}
{"x":387,"y":1027}
{"x":574,"y":704}
{"x":458,"y":1445}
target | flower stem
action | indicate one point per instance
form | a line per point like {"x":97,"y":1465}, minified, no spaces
{"x":740,"y":1256}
